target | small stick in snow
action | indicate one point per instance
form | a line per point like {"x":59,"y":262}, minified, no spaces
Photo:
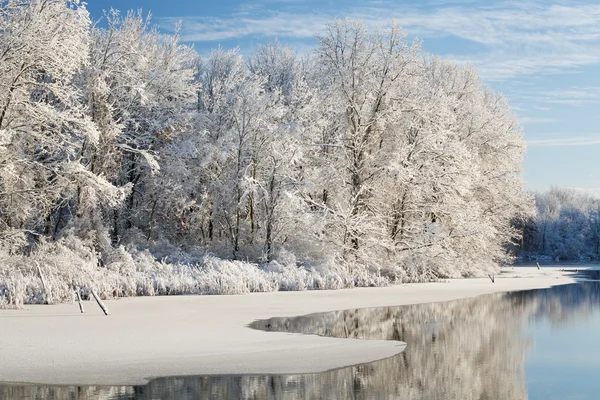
{"x":491,"y":277}
{"x":46,"y":291}
{"x":538,"y":265}
{"x":100,"y":303}
{"x":79,"y":300}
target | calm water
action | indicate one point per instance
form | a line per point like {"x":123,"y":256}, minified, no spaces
{"x":540,"y":344}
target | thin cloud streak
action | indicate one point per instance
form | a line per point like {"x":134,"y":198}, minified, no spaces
{"x":573,"y":96}
{"x":212,"y":29}
{"x":562,"y":142}
{"x":534,"y":120}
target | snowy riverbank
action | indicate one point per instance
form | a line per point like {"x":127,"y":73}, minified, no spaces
{"x":194,"y":335}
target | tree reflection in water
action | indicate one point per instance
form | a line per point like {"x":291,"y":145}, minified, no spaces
{"x":465,"y":349}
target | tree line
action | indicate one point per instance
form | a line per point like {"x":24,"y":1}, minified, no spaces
{"x":366,"y":154}
{"x":566,"y":226}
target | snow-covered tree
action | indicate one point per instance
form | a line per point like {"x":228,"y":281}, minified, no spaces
{"x":141,"y":94}
{"x":358,"y":73}
{"x":43,"y":125}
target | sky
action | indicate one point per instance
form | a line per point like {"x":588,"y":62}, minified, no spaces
{"x":544,"y":56}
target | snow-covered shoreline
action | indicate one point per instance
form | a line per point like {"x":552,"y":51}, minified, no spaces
{"x":147,"y":337}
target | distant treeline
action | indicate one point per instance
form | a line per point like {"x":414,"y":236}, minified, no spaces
{"x":566,"y":226}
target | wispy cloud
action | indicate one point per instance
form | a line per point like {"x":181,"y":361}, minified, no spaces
{"x":573,"y":96}
{"x":565,"y":141}
{"x":534,"y":120}
{"x":517,"y":38}
{"x":271,"y":25}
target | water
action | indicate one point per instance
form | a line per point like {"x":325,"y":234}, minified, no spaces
{"x":539,"y":344}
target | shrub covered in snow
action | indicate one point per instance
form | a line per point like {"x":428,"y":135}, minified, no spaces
{"x":69,"y":265}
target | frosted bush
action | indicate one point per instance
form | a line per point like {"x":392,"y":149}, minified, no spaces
{"x":70,"y":264}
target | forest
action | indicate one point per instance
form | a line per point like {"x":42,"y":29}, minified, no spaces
{"x":131,"y":164}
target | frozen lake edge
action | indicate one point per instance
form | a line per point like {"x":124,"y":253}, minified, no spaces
{"x":147,"y":337}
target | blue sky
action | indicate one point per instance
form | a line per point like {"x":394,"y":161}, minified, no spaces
{"x":543,"y":55}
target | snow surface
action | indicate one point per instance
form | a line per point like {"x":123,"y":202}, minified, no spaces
{"x":147,"y":337}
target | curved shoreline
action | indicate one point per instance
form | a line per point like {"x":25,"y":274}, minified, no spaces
{"x":149,"y":337}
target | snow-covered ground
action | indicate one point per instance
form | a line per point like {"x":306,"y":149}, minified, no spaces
{"x":147,"y":337}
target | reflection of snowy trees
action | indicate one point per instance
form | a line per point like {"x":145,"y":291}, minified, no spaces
{"x":466,"y":349}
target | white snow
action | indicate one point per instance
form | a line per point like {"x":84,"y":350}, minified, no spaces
{"x":147,"y":337}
